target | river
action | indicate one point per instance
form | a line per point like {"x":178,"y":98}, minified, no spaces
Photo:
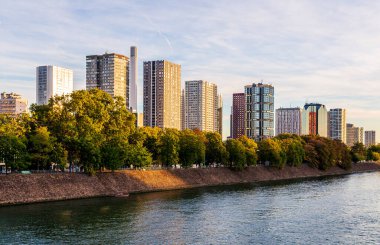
{"x":329,"y":210}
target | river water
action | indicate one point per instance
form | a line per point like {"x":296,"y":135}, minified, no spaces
{"x":332,"y":210}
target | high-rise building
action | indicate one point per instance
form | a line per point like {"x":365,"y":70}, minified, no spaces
{"x":237,"y":126}
{"x":314,"y":119}
{"x":337,"y":124}
{"x":289,"y":121}
{"x":200,"y":106}
{"x":354,"y":134}
{"x":220,"y":114}
{"x":133,"y":71}
{"x":259,"y":115}
{"x":108,"y":72}
{"x":52,"y":81}
{"x":162,"y":94}
{"x":13,"y":104}
{"x":370,"y":138}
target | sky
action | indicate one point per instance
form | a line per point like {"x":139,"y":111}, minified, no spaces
{"x":310,"y":51}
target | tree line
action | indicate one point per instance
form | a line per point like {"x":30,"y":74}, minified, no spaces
{"x":93,"y":131}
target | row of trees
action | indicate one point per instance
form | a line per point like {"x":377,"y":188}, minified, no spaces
{"x":92,"y":130}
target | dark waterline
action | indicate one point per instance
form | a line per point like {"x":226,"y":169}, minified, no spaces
{"x":330,"y":210}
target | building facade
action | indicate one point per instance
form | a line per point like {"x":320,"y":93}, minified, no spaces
{"x":315,"y":120}
{"x":52,"y":81}
{"x":162,"y":94}
{"x":13,"y":104}
{"x":133,"y":71}
{"x":237,"y":126}
{"x":289,"y":121}
{"x":370,"y":138}
{"x":259,"y":115}
{"x":108,"y":72}
{"x":220,"y":114}
{"x":337,"y":124}
{"x":200,"y":106}
{"x":354,"y":134}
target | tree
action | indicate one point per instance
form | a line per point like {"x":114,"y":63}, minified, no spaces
{"x":191,"y":149}
{"x":270,"y":150}
{"x":358,"y":152}
{"x":250,"y":150}
{"x":294,"y":151}
{"x":13,"y":152}
{"x":151,"y":140}
{"x":83,"y":121}
{"x":138,"y":156}
{"x":236,"y":154}
{"x":169,"y":147}
{"x":40,"y":148}
{"x":114,"y":153}
{"x":215,"y":149}
{"x":373,"y":153}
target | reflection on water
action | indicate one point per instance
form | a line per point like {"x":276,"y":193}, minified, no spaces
{"x":329,"y":210}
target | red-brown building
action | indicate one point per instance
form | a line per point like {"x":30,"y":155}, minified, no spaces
{"x":237,"y":115}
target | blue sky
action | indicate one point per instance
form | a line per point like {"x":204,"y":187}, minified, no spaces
{"x":311,"y":51}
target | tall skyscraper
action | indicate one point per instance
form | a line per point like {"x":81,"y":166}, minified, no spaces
{"x":314,"y":119}
{"x":133,"y":71}
{"x":354,"y":134}
{"x":51,"y":81}
{"x":370,"y":138}
{"x":337,"y":124}
{"x":259,"y":119}
{"x":289,"y":121}
{"x":162,"y":94}
{"x":237,"y":115}
{"x":13,"y":104}
{"x":220,"y":114}
{"x":108,"y":72}
{"x":200,"y":106}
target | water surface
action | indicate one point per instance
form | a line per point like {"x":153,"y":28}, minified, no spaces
{"x":324,"y":211}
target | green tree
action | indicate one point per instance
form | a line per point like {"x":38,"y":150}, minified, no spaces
{"x":236,"y":154}
{"x":358,"y":152}
{"x":294,"y":151}
{"x":191,"y":148}
{"x":114,"y":153}
{"x":13,"y":152}
{"x":250,"y":150}
{"x":169,"y":147}
{"x":216,"y":152}
{"x":83,"y":121}
{"x":270,"y":150}
{"x":40,"y":148}
{"x":138,"y":156}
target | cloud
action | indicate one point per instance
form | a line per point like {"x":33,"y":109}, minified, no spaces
{"x":310,"y":50}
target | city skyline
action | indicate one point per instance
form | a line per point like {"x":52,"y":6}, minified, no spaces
{"x":325,"y":53}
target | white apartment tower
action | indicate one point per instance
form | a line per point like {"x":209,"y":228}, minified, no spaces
{"x":51,"y":81}
{"x":289,"y":121}
{"x":200,"y":106}
{"x":337,"y":124}
{"x":133,"y":71}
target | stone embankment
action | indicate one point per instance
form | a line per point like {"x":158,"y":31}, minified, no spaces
{"x":20,"y":189}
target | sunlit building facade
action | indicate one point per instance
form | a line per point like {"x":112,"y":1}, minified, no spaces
{"x":289,"y":121}
{"x":337,"y":124}
{"x":162,"y":94}
{"x":13,"y":104}
{"x":315,"y":120}
{"x":52,"y":81}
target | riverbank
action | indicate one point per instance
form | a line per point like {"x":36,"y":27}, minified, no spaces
{"x":22,"y":189}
